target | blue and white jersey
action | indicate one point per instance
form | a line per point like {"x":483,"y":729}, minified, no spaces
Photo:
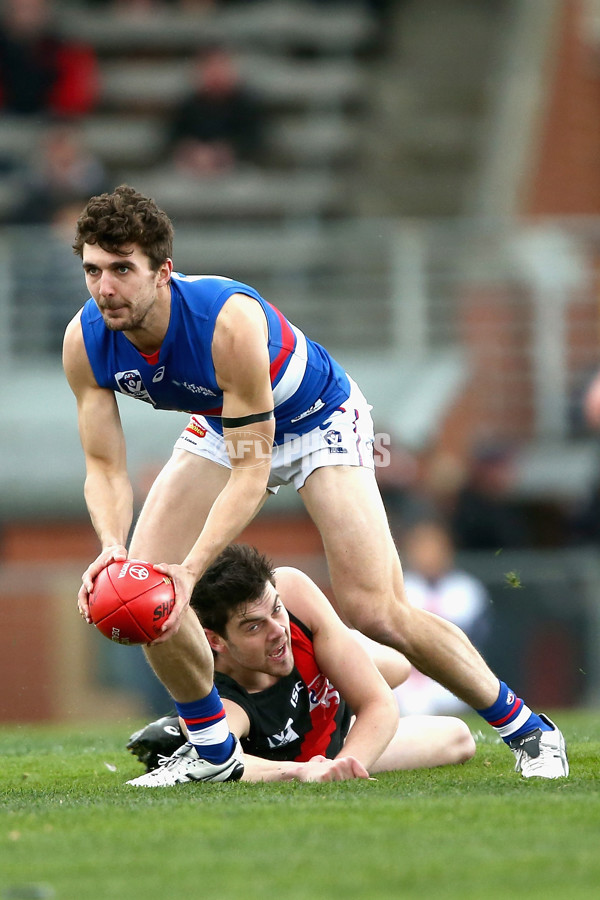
{"x":308,"y":384}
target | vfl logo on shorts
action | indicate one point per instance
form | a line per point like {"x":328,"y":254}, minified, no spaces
{"x":131,"y":384}
{"x":334,"y":439}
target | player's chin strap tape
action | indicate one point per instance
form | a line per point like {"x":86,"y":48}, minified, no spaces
{"x":247,"y":420}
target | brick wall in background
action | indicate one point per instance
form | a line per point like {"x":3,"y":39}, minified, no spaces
{"x":566,"y":177}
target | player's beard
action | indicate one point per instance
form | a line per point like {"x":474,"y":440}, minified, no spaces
{"x":133,"y":319}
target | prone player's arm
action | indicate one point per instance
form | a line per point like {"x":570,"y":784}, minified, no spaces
{"x":258,"y":769}
{"x":348,"y":667}
{"x":108,"y":492}
{"x":241,"y":359}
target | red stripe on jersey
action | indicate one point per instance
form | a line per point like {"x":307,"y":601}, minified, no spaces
{"x":288,"y":344}
{"x":325,"y":700}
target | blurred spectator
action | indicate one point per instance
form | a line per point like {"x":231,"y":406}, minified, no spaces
{"x":62,"y":173}
{"x":585,"y":518}
{"x":142,"y":6}
{"x":485,"y":516}
{"x":40,"y":72}
{"x":398,"y":475}
{"x":219,"y":124}
{"x":433,"y":582}
{"x":48,"y":283}
{"x":584,"y":522}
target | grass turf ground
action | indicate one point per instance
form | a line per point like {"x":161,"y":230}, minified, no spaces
{"x":72,"y":830}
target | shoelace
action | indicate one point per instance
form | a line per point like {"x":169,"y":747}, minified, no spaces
{"x":168,"y":761}
{"x":162,"y":760}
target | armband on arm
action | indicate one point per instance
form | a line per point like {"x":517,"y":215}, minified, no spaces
{"x":242,"y":421}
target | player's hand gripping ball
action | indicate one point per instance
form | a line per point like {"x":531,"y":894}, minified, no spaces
{"x":130,"y":601}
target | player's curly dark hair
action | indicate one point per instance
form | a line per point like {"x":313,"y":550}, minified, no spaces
{"x":238,"y":576}
{"x":125,"y":217}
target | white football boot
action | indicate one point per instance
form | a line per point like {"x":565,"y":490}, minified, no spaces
{"x":541,"y":754}
{"x":186,"y":765}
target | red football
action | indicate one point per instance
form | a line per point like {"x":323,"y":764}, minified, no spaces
{"x":130,"y":601}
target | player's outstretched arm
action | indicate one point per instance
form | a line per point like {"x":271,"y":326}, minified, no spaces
{"x":108,"y":492}
{"x":319,"y":769}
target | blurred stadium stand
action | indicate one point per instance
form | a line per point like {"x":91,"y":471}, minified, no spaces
{"x":422,"y":210}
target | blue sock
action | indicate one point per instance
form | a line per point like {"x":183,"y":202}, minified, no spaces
{"x":207,"y":727}
{"x":510,"y":717}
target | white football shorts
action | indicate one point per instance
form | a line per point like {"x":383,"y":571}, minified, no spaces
{"x":344,"y":438}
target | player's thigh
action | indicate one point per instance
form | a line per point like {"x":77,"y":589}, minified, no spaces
{"x":176,"y":507}
{"x":345,"y":504}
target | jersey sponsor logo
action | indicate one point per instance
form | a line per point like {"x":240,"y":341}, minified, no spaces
{"x":283,"y":737}
{"x":308,"y":412}
{"x":197,"y":429}
{"x":158,"y":375}
{"x":296,"y":693}
{"x":322,"y":693}
{"x":130,"y":383}
{"x":195,"y":388}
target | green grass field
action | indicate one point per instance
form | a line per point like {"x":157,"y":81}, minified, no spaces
{"x":71,"y":829}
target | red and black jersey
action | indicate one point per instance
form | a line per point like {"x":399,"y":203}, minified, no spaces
{"x":300,"y":716}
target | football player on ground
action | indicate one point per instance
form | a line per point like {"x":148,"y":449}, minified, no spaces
{"x":291,"y":676}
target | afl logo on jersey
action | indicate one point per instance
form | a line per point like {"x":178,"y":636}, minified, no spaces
{"x":130,"y":383}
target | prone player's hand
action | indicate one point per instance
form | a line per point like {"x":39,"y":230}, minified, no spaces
{"x":114,"y":553}
{"x":183,"y":582}
{"x":321,"y":769}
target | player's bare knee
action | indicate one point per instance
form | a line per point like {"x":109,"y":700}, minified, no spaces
{"x":463,"y":743}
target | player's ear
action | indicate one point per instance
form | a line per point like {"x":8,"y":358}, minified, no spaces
{"x":216,"y":641}
{"x":164,"y":273}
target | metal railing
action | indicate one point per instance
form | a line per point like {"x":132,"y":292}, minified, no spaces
{"x":502,"y":317}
